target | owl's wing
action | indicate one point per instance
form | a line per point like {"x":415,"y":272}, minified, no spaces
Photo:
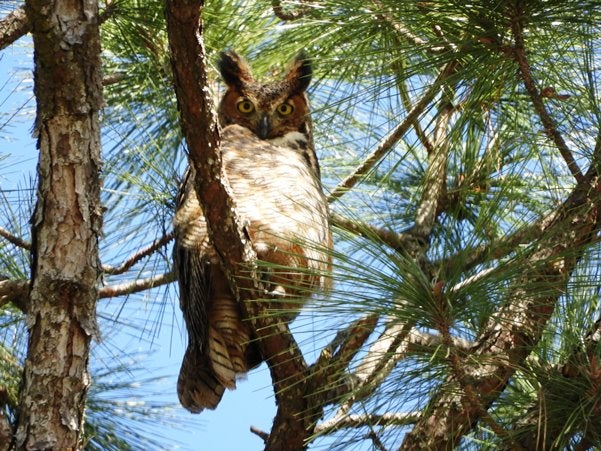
{"x":197,"y":386}
{"x":219,"y":345}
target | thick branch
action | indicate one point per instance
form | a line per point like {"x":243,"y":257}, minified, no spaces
{"x":434,"y":183}
{"x":13,"y":26}
{"x":537,"y":101}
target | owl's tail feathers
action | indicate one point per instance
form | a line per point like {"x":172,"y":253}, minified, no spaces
{"x":197,"y":386}
{"x":204,"y":376}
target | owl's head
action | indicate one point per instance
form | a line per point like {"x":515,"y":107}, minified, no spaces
{"x":270,"y":110}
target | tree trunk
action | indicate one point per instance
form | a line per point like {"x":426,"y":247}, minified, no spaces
{"x":65,"y":226}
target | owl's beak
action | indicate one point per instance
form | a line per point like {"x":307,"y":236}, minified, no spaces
{"x":264,"y":127}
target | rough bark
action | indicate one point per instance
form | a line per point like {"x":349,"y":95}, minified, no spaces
{"x":65,"y":225}
{"x":13,"y":26}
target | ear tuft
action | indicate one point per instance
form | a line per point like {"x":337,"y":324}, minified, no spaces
{"x":234,"y":70}
{"x":300,"y":72}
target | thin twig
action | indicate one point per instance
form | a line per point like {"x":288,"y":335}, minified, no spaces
{"x":376,"y":440}
{"x":497,"y":249}
{"x":362,"y":420}
{"x":262,"y":434}
{"x":549,"y":125}
{"x":145,"y":252}
{"x":16,"y":291}
{"x":406,"y":101}
{"x":397,"y":241}
{"x":19,"y":242}
{"x":395,"y":135}
{"x":136,"y":286}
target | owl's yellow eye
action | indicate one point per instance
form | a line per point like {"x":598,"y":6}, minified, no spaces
{"x":245,"y":106}
{"x":285,"y":109}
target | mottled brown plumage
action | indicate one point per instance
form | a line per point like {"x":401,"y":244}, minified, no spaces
{"x":271,"y":166}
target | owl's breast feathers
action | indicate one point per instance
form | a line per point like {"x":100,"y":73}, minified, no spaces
{"x":277,"y":192}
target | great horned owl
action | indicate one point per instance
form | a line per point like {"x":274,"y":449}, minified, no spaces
{"x":271,"y":166}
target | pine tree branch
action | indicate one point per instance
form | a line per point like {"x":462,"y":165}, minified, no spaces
{"x":511,"y":333}
{"x":393,"y":343}
{"x":395,"y":135}
{"x":549,"y":125}
{"x":17,"y":241}
{"x":403,"y":33}
{"x":16,"y":292}
{"x":397,"y":241}
{"x":135,"y":258}
{"x":474,"y":256}
{"x":467,"y":393}
{"x":13,"y":26}
{"x":406,"y":101}
{"x":136,"y":286}
{"x":580,"y":372}
{"x":369,"y":420}
{"x":383,"y":355}
{"x":327,"y":375}
{"x":418,"y":341}
{"x":434,"y":184}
